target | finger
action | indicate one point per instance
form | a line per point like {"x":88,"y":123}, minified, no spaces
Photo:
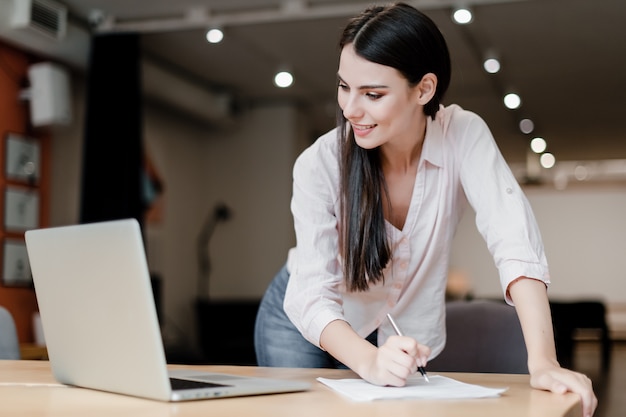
{"x":394,"y":373}
{"x":587,"y":397}
{"x":588,"y":400}
{"x":558,"y":388}
{"x":401,"y":372}
{"x":576,"y":383}
{"x":423,"y":355}
{"x":394,"y":365}
{"x":406,"y":344}
{"x":416,"y":354}
{"x":420,"y":352}
{"x":590,"y":403}
{"x":407,"y":364}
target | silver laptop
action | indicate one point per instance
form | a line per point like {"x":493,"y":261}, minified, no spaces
{"x":100,"y":323}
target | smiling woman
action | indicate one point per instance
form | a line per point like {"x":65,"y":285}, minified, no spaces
{"x":376,"y":203}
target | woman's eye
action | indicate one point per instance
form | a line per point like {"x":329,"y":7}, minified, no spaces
{"x":343,"y":86}
{"x":374,"y":96}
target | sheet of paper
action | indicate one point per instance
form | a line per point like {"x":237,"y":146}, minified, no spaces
{"x":439,"y":387}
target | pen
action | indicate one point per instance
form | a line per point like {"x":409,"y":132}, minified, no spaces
{"x":399,"y":333}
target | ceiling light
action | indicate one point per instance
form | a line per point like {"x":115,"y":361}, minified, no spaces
{"x":526,"y":126}
{"x":538,"y":145}
{"x":214,"y":35}
{"x":547,"y":160}
{"x":512,"y":101}
{"x":462,"y":15}
{"x":283,"y":79}
{"x":491,"y":65}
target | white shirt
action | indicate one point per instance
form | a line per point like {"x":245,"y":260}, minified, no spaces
{"x":460,"y":163}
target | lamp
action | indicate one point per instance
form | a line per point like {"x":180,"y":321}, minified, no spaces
{"x":221,"y":212}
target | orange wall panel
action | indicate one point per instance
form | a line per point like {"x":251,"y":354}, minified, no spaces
{"x":14,"y":118}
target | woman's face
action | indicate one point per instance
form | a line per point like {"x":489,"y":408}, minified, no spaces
{"x":377,"y":101}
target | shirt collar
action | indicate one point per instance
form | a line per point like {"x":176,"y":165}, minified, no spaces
{"x":432,"y":150}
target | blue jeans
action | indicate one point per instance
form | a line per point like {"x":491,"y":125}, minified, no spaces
{"x":277,"y":342}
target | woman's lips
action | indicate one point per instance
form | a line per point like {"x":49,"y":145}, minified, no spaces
{"x":362,"y":130}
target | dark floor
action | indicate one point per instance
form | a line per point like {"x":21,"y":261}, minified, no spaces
{"x":610,"y":387}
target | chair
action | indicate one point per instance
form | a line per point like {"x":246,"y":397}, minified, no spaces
{"x":9,"y":345}
{"x":569,"y":317}
{"x":482,"y":336}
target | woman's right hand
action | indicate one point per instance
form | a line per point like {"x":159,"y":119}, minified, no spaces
{"x":395,"y":361}
{"x":390,"y":364}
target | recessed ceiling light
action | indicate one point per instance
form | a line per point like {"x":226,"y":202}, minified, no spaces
{"x":214,"y":35}
{"x":462,"y":15}
{"x":538,"y":145}
{"x":526,"y":126}
{"x":283,"y":79}
{"x":547,"y":160}
{"x":491,"y":65}
{"x":512,"y":101}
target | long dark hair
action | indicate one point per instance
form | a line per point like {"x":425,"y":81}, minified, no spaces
{"x":401,"y":37}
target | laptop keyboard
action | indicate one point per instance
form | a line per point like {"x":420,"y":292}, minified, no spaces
{"x":178,"y":384}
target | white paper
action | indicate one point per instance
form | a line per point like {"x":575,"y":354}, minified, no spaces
{"x":439,"y":387}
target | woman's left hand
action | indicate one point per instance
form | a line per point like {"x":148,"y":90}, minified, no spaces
{"x":533,"y":309}
{"x":560,"y":380}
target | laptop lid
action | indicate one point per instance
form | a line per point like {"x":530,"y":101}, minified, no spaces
{"x":99,"y":319}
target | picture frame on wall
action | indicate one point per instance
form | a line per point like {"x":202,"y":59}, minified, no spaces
{"x":21,"y":209}
{"x":15,"y":265}
{"x":23,"y":159}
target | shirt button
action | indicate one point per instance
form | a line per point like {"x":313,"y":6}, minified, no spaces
{"x":509,"y":190}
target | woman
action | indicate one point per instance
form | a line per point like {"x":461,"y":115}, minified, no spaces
{"x":376,"y":203}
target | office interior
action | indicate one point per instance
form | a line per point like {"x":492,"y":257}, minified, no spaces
{"x":219,"y":140}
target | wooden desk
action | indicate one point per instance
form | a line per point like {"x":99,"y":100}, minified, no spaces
{"x":30,"y":351}
{"x":17,"y":397}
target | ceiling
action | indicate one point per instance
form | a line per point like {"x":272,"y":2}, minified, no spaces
{"x":565,"y":58}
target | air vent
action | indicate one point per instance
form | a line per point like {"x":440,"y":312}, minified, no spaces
{"x":43,"y":16}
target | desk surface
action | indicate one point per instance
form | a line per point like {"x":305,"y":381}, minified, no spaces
{"x":27,"y":388}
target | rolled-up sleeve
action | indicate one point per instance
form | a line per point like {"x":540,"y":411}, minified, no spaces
{"x":504,"y":216}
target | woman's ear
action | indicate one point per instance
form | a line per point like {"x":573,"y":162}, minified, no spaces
{"x":426,"y":88}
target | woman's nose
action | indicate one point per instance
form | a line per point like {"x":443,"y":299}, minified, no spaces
{"x":351,"y":108}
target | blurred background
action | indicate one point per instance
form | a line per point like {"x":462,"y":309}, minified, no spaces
{"x":210,"y":136}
